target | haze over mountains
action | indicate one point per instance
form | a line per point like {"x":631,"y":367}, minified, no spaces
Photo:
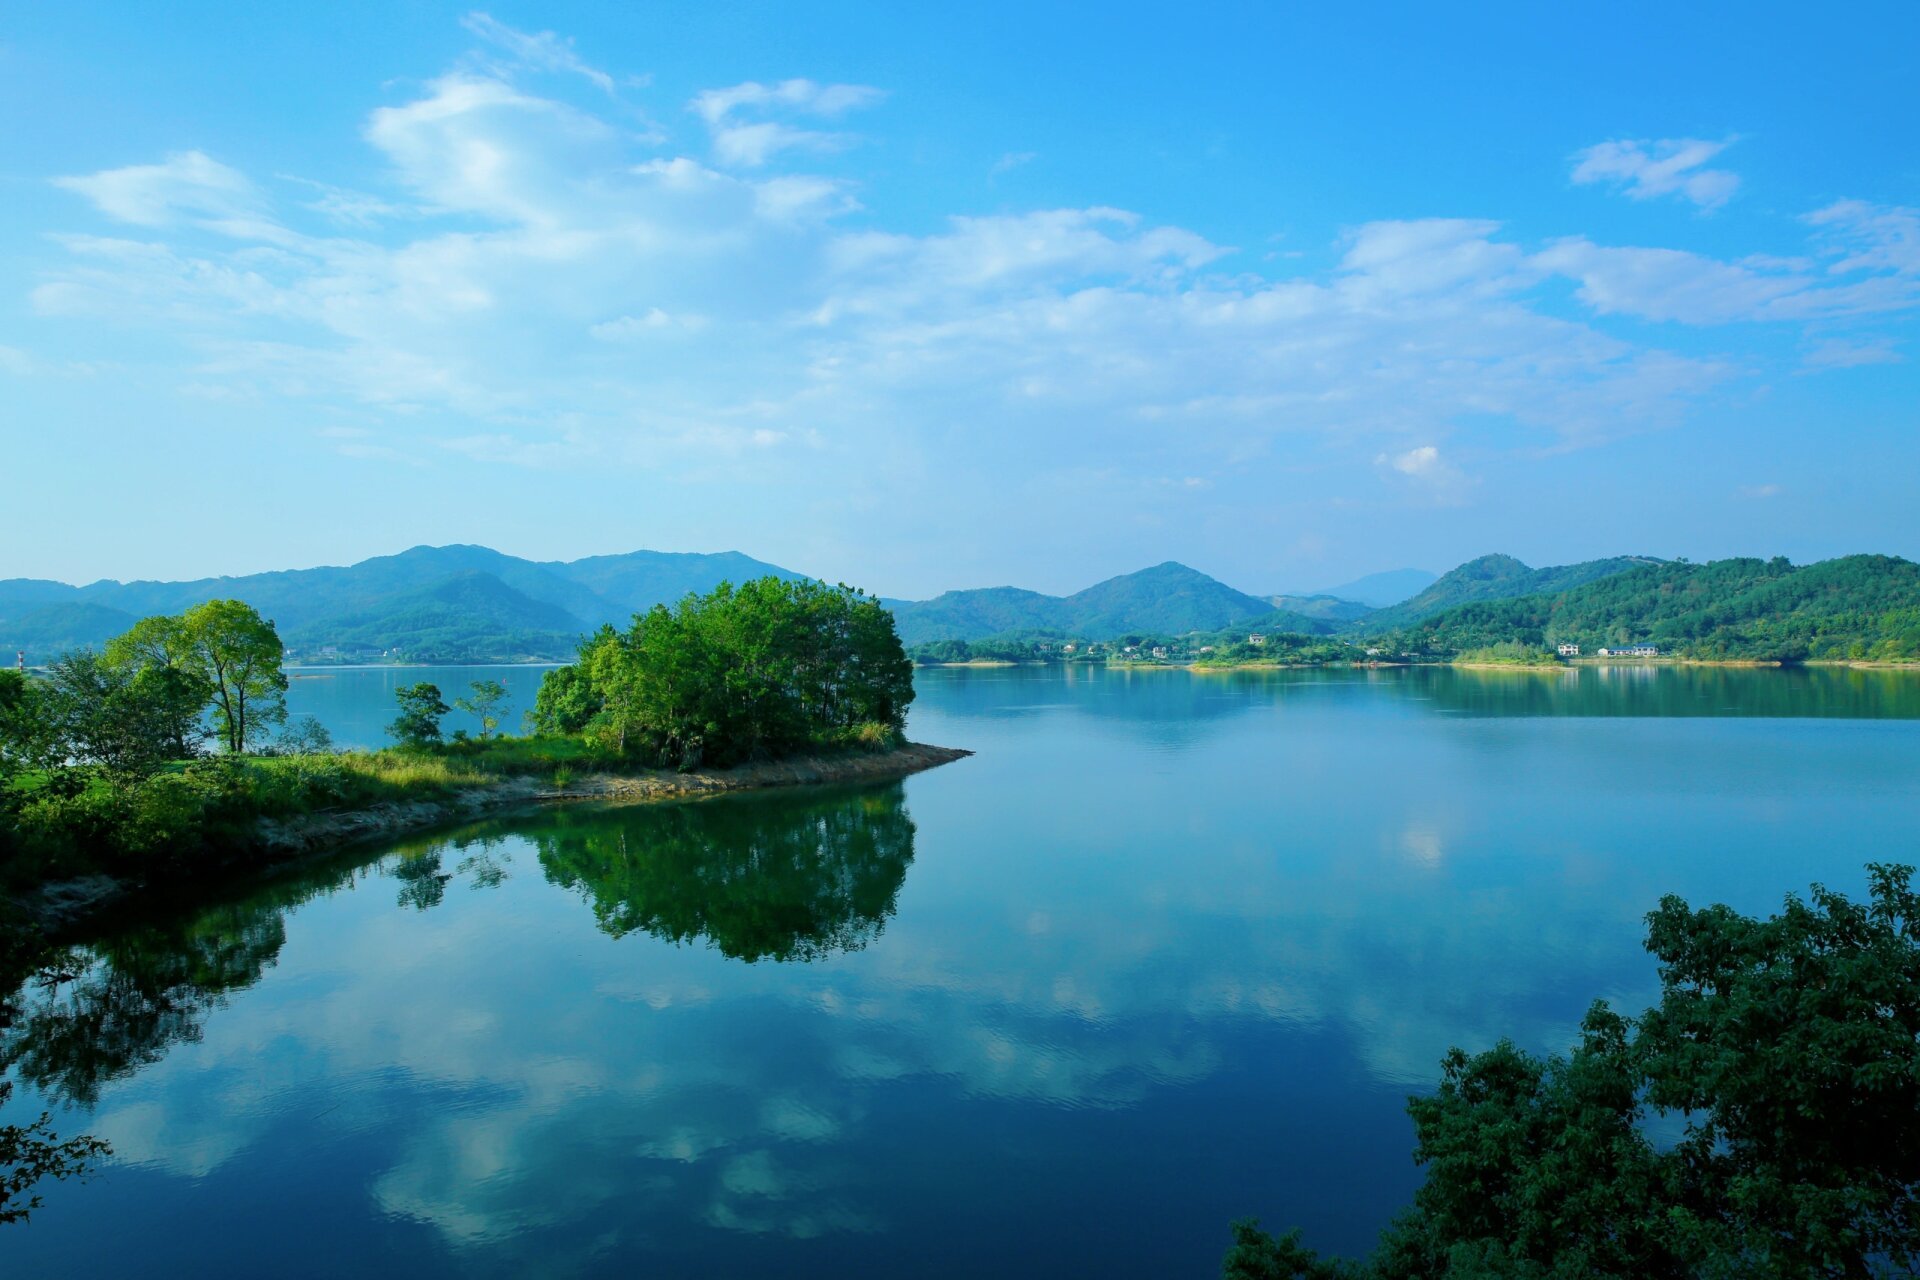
{"x":472,"y":603}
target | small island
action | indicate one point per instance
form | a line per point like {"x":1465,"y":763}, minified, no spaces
{"x":107,"y":785}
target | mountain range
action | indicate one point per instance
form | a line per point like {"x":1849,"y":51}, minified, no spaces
{"x":454,"y":603}
{"x":1167,"y":599}
{"x":471,"y":603}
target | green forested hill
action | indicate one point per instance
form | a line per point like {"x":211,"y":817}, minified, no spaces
{"x":1860,"y":607}
{"x":1327,"y":608}
{"x":1168,"y":599}
{"x":424,"y":601}
{"x":465,"y":618}
{"x":40,"y":631}
{"x":1496,"y":577}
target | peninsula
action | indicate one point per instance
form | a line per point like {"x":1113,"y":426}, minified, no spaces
{"x":105,"y":786}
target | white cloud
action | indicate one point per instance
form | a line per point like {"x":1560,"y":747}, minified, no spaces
{"x":800,"y":96}
{"x":1869,"y":237}
{"x":1671,"y":284}
{"x":540,"y":51}
{"x":1430,"y":472}
{"x":1760,"y":491}
{"x":561,"y":292}
{"x":1422,"y":461}
{"x":1843,"y":353}
{"x":188,"y":188}
{"x":752,"y":143}
{"x":1644,"y":170}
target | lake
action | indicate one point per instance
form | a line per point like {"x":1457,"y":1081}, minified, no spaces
{"x":1168,"y":950}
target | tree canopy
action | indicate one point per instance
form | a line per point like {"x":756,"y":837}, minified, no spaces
{"x":767,"y":669}
{"x":1789,"y":1048}
{"x":227,"y":646}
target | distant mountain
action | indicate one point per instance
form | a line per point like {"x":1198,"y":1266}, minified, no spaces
{"x":639,"y":580}
{"x":468,"y":617}
{"x":454,"y":603}
{"x":1168,"y":599}
{"x":1327,"y":608}
{"x":48,"y":629}
{"x":1862,"y":606}
{"x":1382,"y":589}
{"x":1496,"y":577}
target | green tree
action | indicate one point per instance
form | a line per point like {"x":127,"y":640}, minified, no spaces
{"x":567,"y":702}
{"x":127,"y":720}
{"x":239,"y":654}
{"x":165,"y":644}
{"x":27,"y":737}
{"x":484,"y":704}
{"x":421,"y":707}
{"x":1789,"y":1046}
{"x":305,"y":736}
{"x":755,"y":672}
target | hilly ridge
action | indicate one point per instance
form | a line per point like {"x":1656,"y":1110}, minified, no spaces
{"x":1860,"y":607}
{"x":1169,"y":598}
{"x":473,"y":604}
{"x":457,"y":603}
{"x":1496,"y":577}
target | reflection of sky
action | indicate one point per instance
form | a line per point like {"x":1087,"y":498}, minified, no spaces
{"x":1142,"y":980}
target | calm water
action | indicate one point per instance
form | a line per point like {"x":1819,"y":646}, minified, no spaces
{"x":356,"y":703}
{"x":1170,"y":949}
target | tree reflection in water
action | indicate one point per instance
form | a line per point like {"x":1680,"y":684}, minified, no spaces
{"x":779,"y":877}
{"x":760,"y":877}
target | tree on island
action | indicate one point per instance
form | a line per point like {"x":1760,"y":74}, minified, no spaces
{"x":754,"y":672}
{"x":1789,"y":1046}
{"x":421,"y":707}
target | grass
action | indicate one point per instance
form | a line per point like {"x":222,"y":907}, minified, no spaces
{"x":1508,"y":654}
{"x":207,"y":810}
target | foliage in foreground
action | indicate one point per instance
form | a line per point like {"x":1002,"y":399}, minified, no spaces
{"x":1790,"y":1047}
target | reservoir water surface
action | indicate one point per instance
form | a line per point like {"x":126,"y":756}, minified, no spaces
{"x":1170,"y":949}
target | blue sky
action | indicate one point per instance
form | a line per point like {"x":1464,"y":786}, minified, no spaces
{"x":924,"y":299}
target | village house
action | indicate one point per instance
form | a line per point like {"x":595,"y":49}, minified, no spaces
{"x":1632,"y":651}
{"x":1570,"y":651}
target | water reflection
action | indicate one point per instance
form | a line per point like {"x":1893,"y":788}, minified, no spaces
{"x":1180,"y":701}
{"x":100,"y":1013}
{"x":737,"y":1036}
{"x":759,"y":877}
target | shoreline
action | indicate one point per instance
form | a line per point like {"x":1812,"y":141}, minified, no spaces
{"x":60,"y":906}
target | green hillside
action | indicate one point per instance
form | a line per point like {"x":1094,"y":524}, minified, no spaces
{"x":425,"y":600}
{"x":46,"y":630}
{"x":1864,"y":607}
{"x":1324,"y":607}
{"x":1168,"y":599}
{"x":638,"y":580}
{"x":1496,"y":577}
{"x":466,"y":618}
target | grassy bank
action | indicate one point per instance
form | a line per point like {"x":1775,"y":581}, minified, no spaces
{"x":221,"y":811}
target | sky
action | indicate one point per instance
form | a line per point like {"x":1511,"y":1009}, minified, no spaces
{"x":928,"y":297}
